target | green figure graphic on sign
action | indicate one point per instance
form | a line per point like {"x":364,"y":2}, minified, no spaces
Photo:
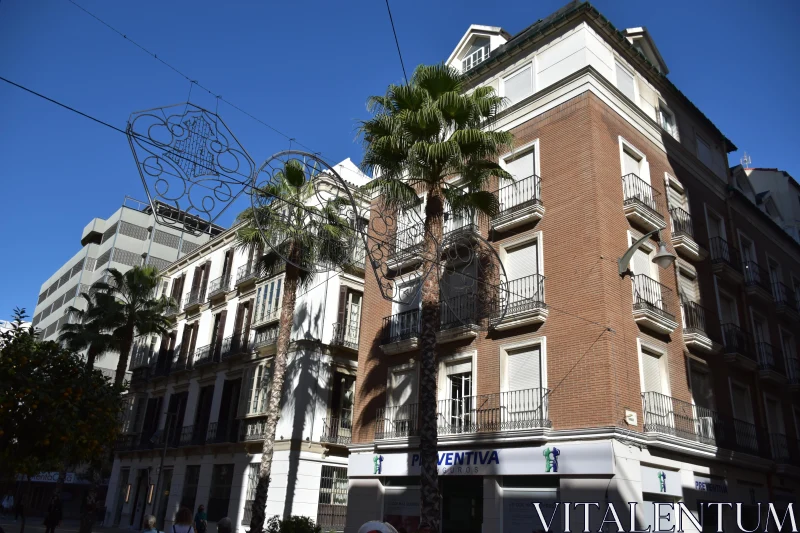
{"x":551,"y":459}
{"x":376,"y":462}
{"x":662,"y":481}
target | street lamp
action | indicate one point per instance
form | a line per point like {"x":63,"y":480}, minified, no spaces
{"x":662,"y":258}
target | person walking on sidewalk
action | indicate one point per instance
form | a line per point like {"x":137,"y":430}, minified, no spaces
{"x":53,"y":516}
{"x":183,"y":521}
{"x":201,"y":520}
{"x":150,"y":525}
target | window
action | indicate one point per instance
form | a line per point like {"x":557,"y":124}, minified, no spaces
{"x":742,"y":405}
{"x":257,"y":384}
{"x":523,"y":165}
{"x":796,"y":412}
{"x":775,"y":422}
{"x":687,"y":284}
{"x":190,"y":482}
{"x":332,"y":510}
{"x":667,"y":120}
{"x":728,"y":312}
{"x":676,"y":194}
{"x":402,"y":385}
{"x":748,"y":249}
{"x":523,"y":395}
{"x":760,"y":329}
{"x":704,"y":152}
{"x":651,"y":371}
{"x":523,"y":270}
{"x":477,"y":53}
{"x":268,"y":301}
{"x":220,"y":494}
{"x":625,"y":82}
{"x":458,"y":392}
{"x":524,"y":368}
{"x":252,"y":483}
{"x":401,"y":410}
{"x":631,"y":163}
{"x":702,"y":391}
{"x":349,"y":316}
{"x":518,"y":85}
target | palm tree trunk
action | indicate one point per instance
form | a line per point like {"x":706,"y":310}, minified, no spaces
{"x":276,"y":391}
{"x":91,"y":355}
{"x":430,"y":504}
{"x":124,"y":352}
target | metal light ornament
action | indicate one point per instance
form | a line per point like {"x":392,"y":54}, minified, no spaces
{"x":663,"y":258}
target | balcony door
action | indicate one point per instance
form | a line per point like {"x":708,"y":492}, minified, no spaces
{"x":728,"y":312}
{"x":456,"y":410}
{"x":516,"y":192}
{"x":523,"y":397}
{"x":350,"y":314}
{"x":775,"y":421}
{"x":522,"y":269}
{"x":405,"y":319}
{"x":632,"y":164}
{"x":703,"y":398}
{"x":401,"y":415}
{"x":743,"y":417}
{"x":658,"y":414}
{"x":458,"y":288}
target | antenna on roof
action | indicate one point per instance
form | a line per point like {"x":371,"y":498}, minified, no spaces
{"x":746,"y":161}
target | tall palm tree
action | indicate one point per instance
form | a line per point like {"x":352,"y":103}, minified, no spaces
{"x":420,"y":137}
{"x":90,"y":329}
{"x":138,"y":310}
{"x":307,"y":236}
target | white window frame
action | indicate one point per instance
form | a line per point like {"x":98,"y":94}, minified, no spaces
{"x":699,"y":138}
{"x":648,"y":247}
{"x":719,"y":305}
{"x":632,"y":72}
{"x":266,"y":365}
{"x":528,"y":64}
{"x":663,"y":107}
{"x":746,"y":387}
{"x":536,"y":237}
{"x":768,"y":396}
{"x":644,"y":166}
{"x":400,"y":282}
{"x":521,"y":151}
{"x":721,"y":219}
{"x":410,"y":366}
{"x":258,"y":303}
{"x":540,"y":341}
{"x":444,"y":362}
{"x":763,"y":318}
{"x":662,"y":361}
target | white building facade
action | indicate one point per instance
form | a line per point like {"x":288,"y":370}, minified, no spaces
{"x":198,"y":395}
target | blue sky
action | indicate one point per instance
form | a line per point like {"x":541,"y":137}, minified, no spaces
{"x":307,"y":68}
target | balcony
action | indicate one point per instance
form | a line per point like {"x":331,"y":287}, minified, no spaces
{"x":458,"y":316}
{"x":642,"y":203}
{"x":456,"y":226}
{"x":738,"y":347}
{"x":793,"y":372}
{"x":338,"y":429}
{"x":650,"y":308}
{"x":779,"y":446}
{"x":218,"y":287}
{"x":267,"y":316}
{"x":223,"y":432}
{"x":406,"y":248}
{"x":785,"y":301}
{"x":252,"y":429}
{"x":487,"y":413}
{"x":203,"y":356}
{"x":126,"y":443}
{"x":756,"y":281}
{"x":193,"y":300}
{"x":401,"y":332}
{"x":683,"y":235}
{"x":696,"y":327}
{"x":236,"y":344}
{"x":265,"y":340}
{"x":246,"y":274}
{"x":474,"y":59}
{"x":770,"y":363}
{"x":171,"y":310}
{"x":345,"y":335}
{"x":191,"y":436}
{"x":520,"y":203}
{"x":521,"y":303}
{"x":725,"y":260}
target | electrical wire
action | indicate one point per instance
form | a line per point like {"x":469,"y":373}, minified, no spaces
{"x":397,"y":42}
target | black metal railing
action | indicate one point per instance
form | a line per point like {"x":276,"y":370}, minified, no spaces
{"x":793,"y":369}
{"x":225,"y":431}
{"x":265,"y":336}
{"x":736,"y":340}
{"x":219,"y":285}
{"x":784,"y":296}
{"x":203,"y":355}
{"x":517,"y":196}
{"x":193,"y":298}
{"x":401,"y":326}
{"x":521,"y":295}
{"x":338,"y":429}
{"x":698,"y":319}
{"x":345,"y":335}
{"x":253,"y":429}
{"x":245,"y":273}
{"x":458,"y":311}
{"x":779,"y":446}
{"x":503,"y":411}
{"x":652,"y":295}
{"x":637,"y":191}
{"x":769,"y":359}
{"x":454,"y":224}
{"x":126,"y":442}
{"x":681,"y":222}
{"x":171,"y":310}
{"x":722,"y":253}
{"x":234,"y":345}
{"x":755,"y":276}
{"x":664,"y":414}
{"x":407,"y":242}
{"x":745,"y":437}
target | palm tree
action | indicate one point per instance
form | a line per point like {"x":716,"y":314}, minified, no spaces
{"x":307,"y":237}
{"x":137,"y":309}
{"x":90,"y":329}
{"x":420,"y":137}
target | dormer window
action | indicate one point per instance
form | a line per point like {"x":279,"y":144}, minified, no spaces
{"x":477,"y":53}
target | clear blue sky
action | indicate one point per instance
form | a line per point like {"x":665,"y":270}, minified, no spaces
{"x":307,"y":68}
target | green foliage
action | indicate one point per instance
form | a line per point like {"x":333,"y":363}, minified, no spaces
{"x":91,"y":328}
{"x":54,"y":411}
{"x":294,"y":524}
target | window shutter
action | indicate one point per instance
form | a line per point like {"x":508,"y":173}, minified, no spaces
{"x":652,"y":372}
{"x":522,"y":261}
{"x":342,"y":317}
{"x":462,"y":367}
{"x":524,"y":368}
{"x":641,"y":263}
{"x":220,"y":332}
{"x":206,"y":273}
{"x":631,"y":164}
{"x":523,"y":166}
{"x":197,"y":278}
{"x":688,"y":287}
{"x":404,"y":387}
{"x":519,"y":85}
{"x":741,"y":404}
{"x":193,"y":332}
{"x":625,"y":82}
{"x":701,"y":388}
{"x":247,"y":310}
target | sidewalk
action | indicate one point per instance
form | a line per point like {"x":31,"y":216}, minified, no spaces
{"x":34,"y":525}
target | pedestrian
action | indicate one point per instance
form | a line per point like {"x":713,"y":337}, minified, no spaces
{"x":150,"y":525}
{"x":19,"y":511}
{"x":183,"y":521}
{"x":201,"y":520}
{"x":53,"y":516}
{"x":225,"y":525}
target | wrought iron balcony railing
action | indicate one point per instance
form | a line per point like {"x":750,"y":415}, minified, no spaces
{"x":521,"y":295}
{"x":265,"y":337}
{"x":681,"y":222}
{"x":769,"y":359}
{"x":203,"y":356}
{"x":518,"y":195}
{"x":193,"y":298}
{"x":784,"y":296}
{"x":225,"y":431}
{"x":755,"y":275}
{"x":407,"y":242}
{"x":736,"y":340}
{"x":456,"y":224}
{"x":458,"y":311}
{"x":219,"y":286}
{"x":235,"y":344}
{"x":401,"y":326}
{"x":253,"y":429}
{"x":721,"y":252}
{"x":637,"y":191}
{"x":698,"y":319}
{"x":779,"y":446}
{"x":245,"y":273}
{"x":651,"y":295}
{"x":345,"y":335}
{"x":503,"y":411}
{"x":338,"y":429}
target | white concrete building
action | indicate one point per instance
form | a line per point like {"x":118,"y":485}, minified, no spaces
{"x":127,"y":238}
{"x":208,"y":377}
{"x":775,"y":192}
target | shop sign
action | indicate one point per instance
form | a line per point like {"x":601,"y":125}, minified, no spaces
{"x":52,"y":477}
{"x":581,"y":459}
{"x":661,"y":481}
{"x":708,"y":484}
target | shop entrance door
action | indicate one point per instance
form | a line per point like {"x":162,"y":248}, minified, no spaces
{"x":462,"y":504}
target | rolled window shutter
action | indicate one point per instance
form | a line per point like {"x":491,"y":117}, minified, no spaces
{"x":688,"y":286}
{"x":197,"y":278}
{"x":524,"y":369}
{"x":462,"y":367}
{"x":652,"y":373}
{"x":206,"y":275}
{"x":522,"y":261}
